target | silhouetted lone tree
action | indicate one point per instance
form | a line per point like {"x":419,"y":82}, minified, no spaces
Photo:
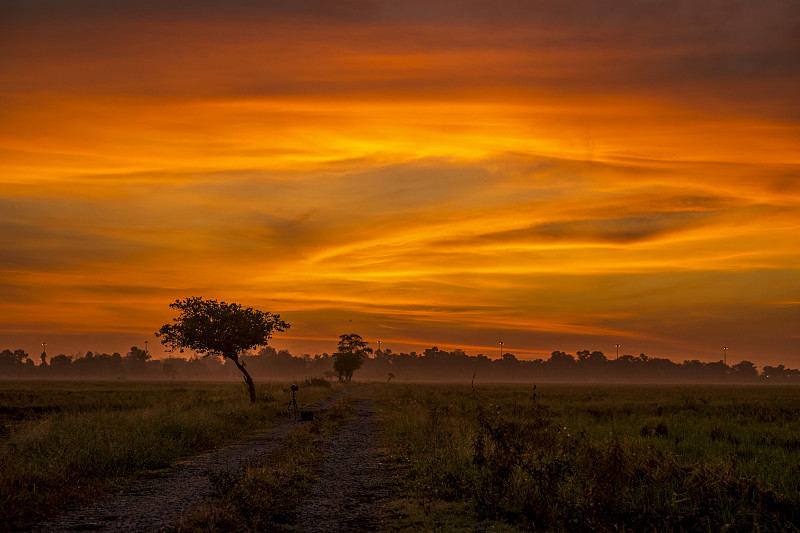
{"x":350,"y":355}
{"x":209,"y":327}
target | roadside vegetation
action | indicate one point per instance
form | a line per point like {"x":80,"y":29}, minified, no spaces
{"x":582,"y":458}
{"x":67,"y":444}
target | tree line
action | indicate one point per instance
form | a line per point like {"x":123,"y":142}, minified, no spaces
{"x":386,"y":365}
{"x":226,"y":335}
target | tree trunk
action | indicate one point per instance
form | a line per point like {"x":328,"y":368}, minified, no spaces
{"x":251,"y":387}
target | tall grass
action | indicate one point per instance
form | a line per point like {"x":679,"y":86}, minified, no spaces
{"x":606,"y":459}
{"x":79,"y":441}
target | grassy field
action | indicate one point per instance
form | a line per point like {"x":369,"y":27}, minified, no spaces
{"x":492,"y":458}
{"x":67,"y":443}
{"x":593,"y":458}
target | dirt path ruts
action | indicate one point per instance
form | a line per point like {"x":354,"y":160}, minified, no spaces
{"x":156,"y":504}
{"x":351,"y":491}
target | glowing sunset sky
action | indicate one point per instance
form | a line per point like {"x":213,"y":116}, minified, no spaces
{"x":553,"y":175}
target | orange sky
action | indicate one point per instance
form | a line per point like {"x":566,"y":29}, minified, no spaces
{"x":553,"y":175}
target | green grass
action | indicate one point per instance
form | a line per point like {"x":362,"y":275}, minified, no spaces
{"x":590,"y":458}
{"x":66,"y":444}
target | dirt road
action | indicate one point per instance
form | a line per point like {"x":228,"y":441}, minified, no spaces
{"x":347,"y":497}
{"x":351,"y":491}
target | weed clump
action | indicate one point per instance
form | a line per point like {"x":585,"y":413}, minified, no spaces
{"x":655,"y":430}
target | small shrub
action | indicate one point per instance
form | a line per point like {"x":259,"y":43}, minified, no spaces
{"x":655,"y":430}
{"x":318,"y":382}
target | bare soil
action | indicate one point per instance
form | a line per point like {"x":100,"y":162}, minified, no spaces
{"x":348,"y":496}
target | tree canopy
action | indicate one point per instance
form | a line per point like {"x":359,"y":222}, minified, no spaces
{"x":209,"y":327}
{"x":350,"y":355}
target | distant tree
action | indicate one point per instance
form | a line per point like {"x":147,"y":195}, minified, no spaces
{"x":745,"y":370}
{"x":136,"y":354}
{"x":86,"y":365}
{"x":137,"y":359}
{"x":267,"y":352}
{"x":592,"y":358}
{"x":432,"y":353}
{"x":350,"y":355}
{"x":560,"y":360}
{"x":22,"y":356}
{"x":7,"y":361}
{"x":61,"y":363}
{"x":717,"y":370}
{"x":774,"y":372}
{"x":209,"y":327}
{"x":29,"y":367}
